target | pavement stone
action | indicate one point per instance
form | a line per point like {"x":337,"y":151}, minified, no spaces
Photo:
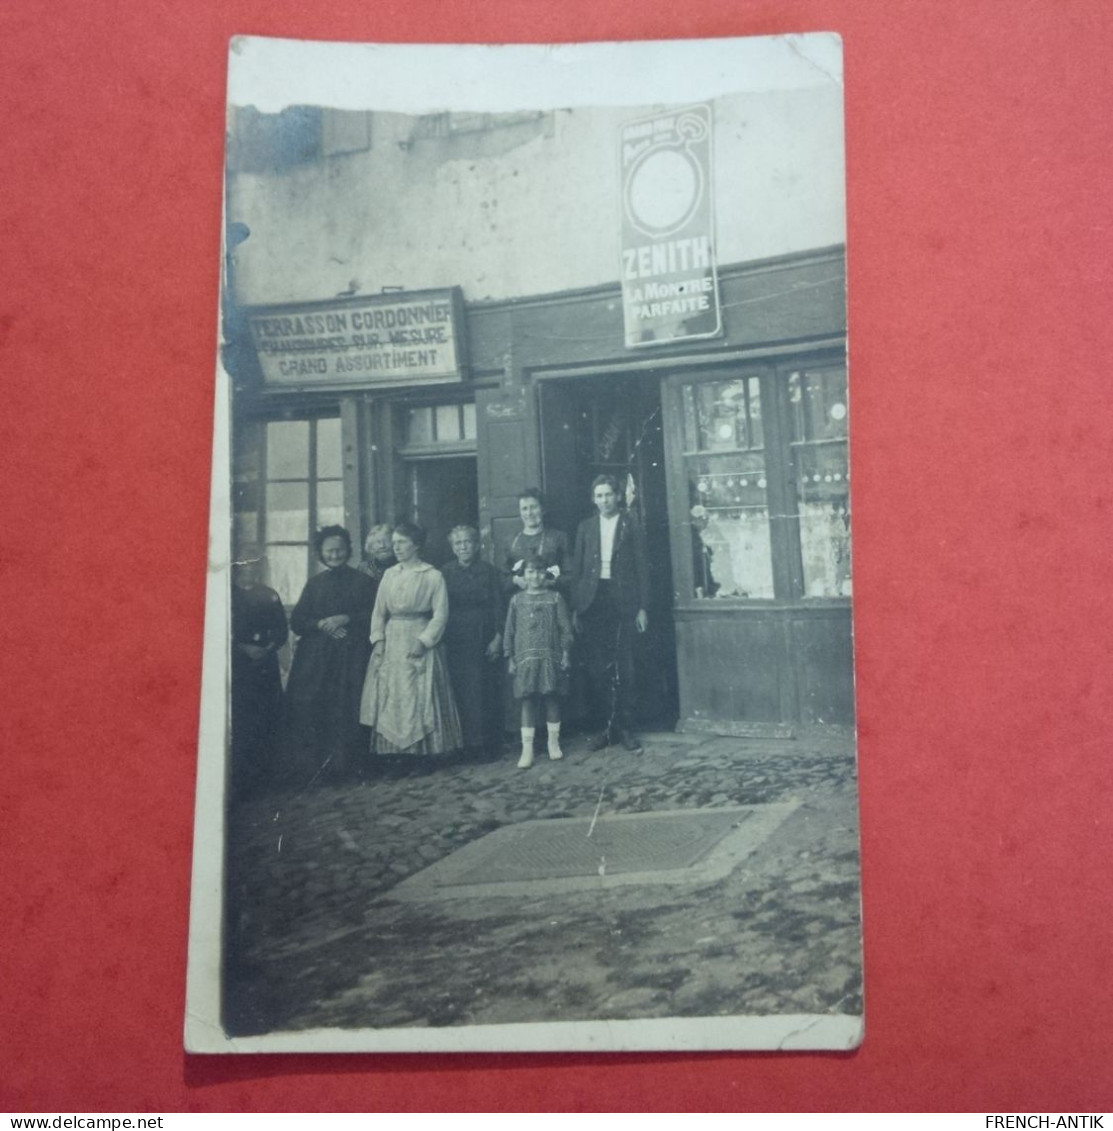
{"x":314,"y":939}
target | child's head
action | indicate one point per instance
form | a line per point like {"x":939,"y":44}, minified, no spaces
{"x":534,"y":576}
{"x":535,"y":571}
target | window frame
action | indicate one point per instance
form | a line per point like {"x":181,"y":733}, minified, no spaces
{"x":461,"y":446}
{"x":256,"y":481}
{"x":811,"y":364}
{"x":781,"y":496}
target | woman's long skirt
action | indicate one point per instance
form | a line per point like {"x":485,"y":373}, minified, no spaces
{"x":408,"y":703}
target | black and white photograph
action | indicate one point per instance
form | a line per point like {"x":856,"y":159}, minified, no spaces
{"x":528,"y":698}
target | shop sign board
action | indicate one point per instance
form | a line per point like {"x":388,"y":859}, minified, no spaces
{"x":392,"y":339}
{"x":670,"y":291}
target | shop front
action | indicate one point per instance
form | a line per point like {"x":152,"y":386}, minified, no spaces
{"x":731,"y":449}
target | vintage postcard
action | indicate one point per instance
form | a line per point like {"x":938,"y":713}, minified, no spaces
{"x":528,"y":704}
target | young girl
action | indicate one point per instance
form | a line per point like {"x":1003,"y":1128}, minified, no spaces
{"x":537,"y":642}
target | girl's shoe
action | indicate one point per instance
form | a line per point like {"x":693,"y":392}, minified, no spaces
{"x":526,"y":760}
{"x":555,"y":752}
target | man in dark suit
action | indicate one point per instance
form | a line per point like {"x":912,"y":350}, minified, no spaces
{"x":610,"y":592}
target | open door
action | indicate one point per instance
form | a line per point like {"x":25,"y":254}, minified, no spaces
{"x":443,"y":494}
{"x":611,"y":425}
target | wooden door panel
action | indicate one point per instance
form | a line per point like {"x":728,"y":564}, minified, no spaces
{"x":506,"y":430}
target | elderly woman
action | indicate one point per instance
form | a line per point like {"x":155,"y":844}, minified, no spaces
{"x":407,"y":698}
{"x":378,"y":553}
{"x":321,"y":733}
{"x":473,"y":641}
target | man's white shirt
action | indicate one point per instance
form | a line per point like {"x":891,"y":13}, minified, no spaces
{"x":607,"y":528}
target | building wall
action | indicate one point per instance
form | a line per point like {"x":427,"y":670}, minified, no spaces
{"x":522,"y":214}
{"x":520,"y":209}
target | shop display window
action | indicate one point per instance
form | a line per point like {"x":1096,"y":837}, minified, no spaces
{"x":724,"y":457}
{"x":821,"y":475}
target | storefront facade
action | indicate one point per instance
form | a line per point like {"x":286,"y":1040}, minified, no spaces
{"x":733,"y":452}
{"x":425,"y":314}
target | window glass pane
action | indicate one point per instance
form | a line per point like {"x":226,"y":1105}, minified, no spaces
{"x":731,"y":547}
{"x":287,"y":512}
{"x":420,"y":426}
{"x":821,"y":476}
{"x":286,"y":571}
{"x":825,"y":544}
{"x":719,"y":416}
{"x":330,"y":503}
{"x":288,"y":449}
{"x":818,"y":399}
{"x":448,"y":422}
{"x":441,"y":424}
{"x":329,"y":449}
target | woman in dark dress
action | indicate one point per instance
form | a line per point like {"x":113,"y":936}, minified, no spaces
{"x":473,"y":642}
{"x":258,"y":633}
{"x":322,"y":737}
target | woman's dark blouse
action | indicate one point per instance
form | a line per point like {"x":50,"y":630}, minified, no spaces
{"x":321,"y":724}
{"x":320,"y":660}
{"x":476,"y":609}
{"x":551,"y":545}
{"x":258,"y":617}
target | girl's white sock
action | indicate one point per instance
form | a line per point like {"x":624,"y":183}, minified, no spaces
{"x":526,"y":760}
{"x":555,"y":752}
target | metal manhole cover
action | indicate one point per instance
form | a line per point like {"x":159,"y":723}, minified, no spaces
{"x":573,"y":854}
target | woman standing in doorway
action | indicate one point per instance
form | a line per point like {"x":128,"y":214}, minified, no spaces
{"x":535,"y":539}
{"x":321,"y":734}
{"x":407,"y":698}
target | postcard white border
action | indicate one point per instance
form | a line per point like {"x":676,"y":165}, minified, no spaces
{"x":270,"y":74}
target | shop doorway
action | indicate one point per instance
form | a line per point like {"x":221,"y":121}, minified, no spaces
{"x":443,"y":492}
{"x":612,"y":426}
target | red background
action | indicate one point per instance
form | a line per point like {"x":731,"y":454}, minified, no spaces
{"x":978,"y":143}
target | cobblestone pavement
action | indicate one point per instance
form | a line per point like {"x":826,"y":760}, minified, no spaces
{"x":314,"y":939}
